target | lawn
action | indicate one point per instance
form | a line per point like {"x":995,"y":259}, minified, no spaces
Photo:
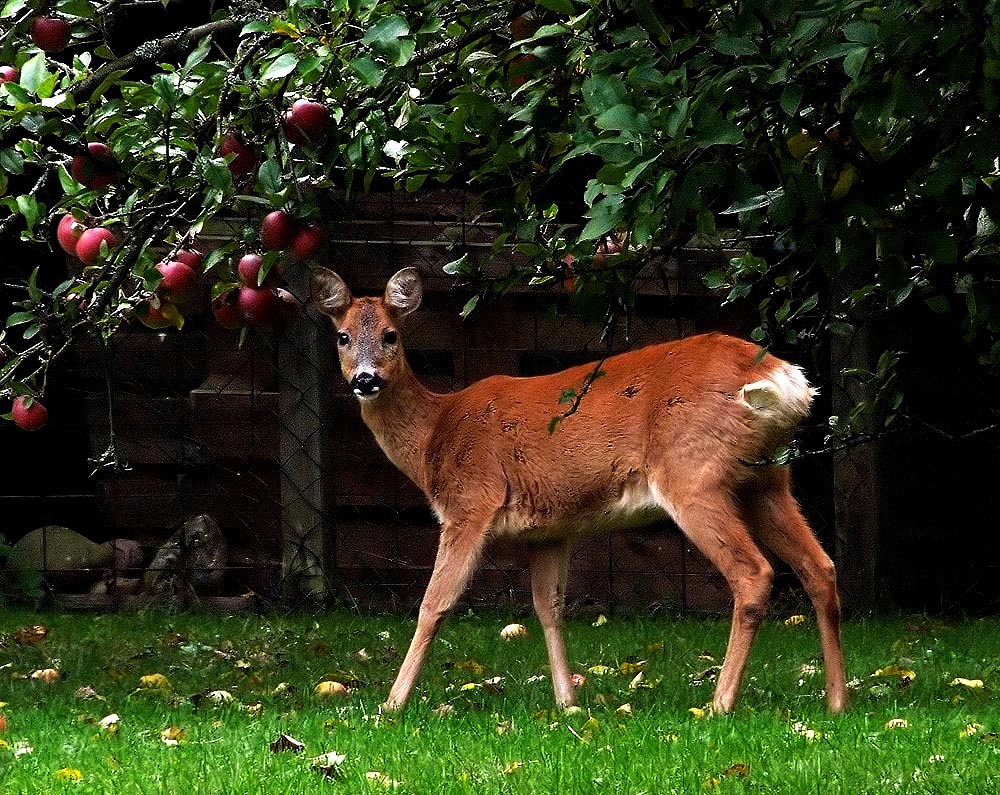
{"x":135,"y":707}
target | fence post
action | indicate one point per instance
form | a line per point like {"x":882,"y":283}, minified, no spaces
{"x":304,"y":356}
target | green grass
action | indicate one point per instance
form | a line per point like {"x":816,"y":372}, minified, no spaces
{"x":506,"y":740}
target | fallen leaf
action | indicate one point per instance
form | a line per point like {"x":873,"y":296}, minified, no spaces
{"x":697,"y":712}
{"x":513,"y":767}
{"x":31,"y":635}
{"x":631,"y":667}
{"x":329,"y":764}
{"x":905,"y":675}
{"x":600,"y":670}
{"x":794,"y":621}
{"x":68,"y":774}
{"x":443,"y":710}
{"x":494,"y":685}
{"x":46,"y":675}
{"x":625,"y":710}
{"x":285,"y":742}
{"x":737,"y":770}
{"x":381,"y":779}
{"x":600,"y":621}
{"x":87,"y":693}
{"x":220,"y":697}
{"x":970,"y":730}
{"x":472,"y":667}
{"x":154,"y":682}
{"x":971,"y":684}
{"x":578,"y":680}
{"x":328,"y":689}
{"x":172,"y":735}
{"x":109,"y":723}
{"x":803,"y":730}
{"x":514,"y":631}
{"x":897,"y":723}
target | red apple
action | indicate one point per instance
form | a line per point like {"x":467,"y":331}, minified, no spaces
{"x":226,"y":310}
{"x":249,"y":268}
{"x":306,"y":121}
{"x":191,"y":257}
{"x":179,"y":280}
{"x":308,"y":242}
{"x":246,"y":156}
{"x":50,"y":33}
{"x":68,"y":233}
{"x":88,"y":247}
{"x":277,"y":230}
{"x":8,"y":74}
{"x":258,"y":305}
{"x":524,"y":26}
{"x":522,"y":68}
{"x":29,"y":413}
{"x":96,"y":169}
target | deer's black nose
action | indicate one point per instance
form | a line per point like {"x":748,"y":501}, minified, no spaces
{"x":365,"y":384}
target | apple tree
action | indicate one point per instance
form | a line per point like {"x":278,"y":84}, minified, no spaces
{"x":851,"y":147}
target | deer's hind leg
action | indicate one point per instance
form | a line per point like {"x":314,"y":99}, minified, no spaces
{"x":706,"y":511}
{"x":778,"y":523}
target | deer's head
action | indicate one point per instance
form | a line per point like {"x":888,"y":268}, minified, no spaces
{"x":368,"y":340}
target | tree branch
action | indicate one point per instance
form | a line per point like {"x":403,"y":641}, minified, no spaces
{"x":154,"y":51}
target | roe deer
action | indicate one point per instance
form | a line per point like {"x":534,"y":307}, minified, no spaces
{"x":676,"y":429}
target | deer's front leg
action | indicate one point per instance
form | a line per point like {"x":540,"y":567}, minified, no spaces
{"x":457,"y":558}
{"x":549,"y":565}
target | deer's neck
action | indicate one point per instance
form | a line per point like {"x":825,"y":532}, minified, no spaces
{"x":402,"y":419}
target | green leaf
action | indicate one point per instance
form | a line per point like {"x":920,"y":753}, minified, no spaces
{"x":269,"y":175}
{"x":791,"y":98}
{"x":386,"y":32}
{"x":369,"y":72}
{"x":470,"y":306}
{"x":20,"y":318}
{"x":11,"y":161}
{"x":731,"y":45}
{"x":603,"y":91}
{"x":605,"y":215}
{"x":716,"y":131}
{"x":623,"y":118}
{"x":34,"y":72}
{"x":77,"y":8}
{"x":854,"y":61}
{"x":12,"y":8}
{"x":388,"y":38}
{"x":280,"y":67}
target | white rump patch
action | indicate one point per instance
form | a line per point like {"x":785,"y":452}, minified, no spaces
{"x":785,"y":392}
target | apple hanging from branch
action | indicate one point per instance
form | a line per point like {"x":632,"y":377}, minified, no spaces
{"x":28,"y":413}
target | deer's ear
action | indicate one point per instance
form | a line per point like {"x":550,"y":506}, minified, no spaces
{"x":329,"y":292}
{"x":404,"y":291}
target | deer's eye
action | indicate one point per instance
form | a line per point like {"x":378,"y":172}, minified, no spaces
{"x":343,"y":339}
{"x":389,"y":337}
